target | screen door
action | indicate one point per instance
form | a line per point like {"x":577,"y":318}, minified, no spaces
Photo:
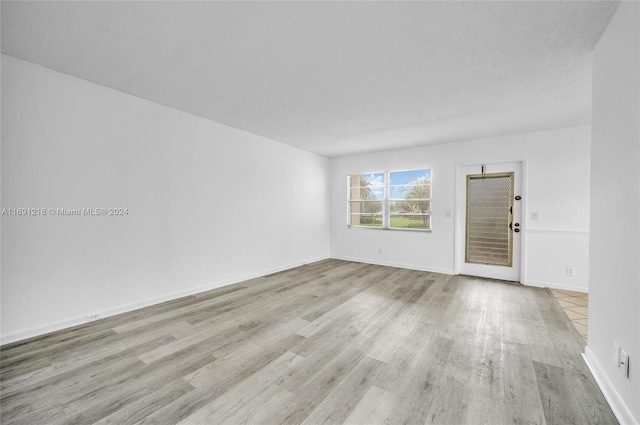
{"x":489,"y":219}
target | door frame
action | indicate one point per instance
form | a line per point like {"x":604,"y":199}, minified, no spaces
{"x":460,"y":204}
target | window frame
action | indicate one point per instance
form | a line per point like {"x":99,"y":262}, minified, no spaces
{"x":386,"y":201}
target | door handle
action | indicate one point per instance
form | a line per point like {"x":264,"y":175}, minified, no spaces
{"x":516,"y":230}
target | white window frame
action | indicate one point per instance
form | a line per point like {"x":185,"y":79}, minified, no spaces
{"x":386,"y":202}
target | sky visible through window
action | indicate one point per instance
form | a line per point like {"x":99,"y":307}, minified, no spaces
{"x":399,"y":182}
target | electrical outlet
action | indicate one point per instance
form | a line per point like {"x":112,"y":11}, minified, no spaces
{"x":624,"y":363}
{"x":535,"y":216}
{"x":570,"y":271}
{"x":94,"y":316}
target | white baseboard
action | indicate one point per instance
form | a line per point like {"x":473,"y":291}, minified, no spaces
{"x":553,"y":285}
{"x":399,"y":265}
{"x":618,"y":406}
{"x":79,"y":320}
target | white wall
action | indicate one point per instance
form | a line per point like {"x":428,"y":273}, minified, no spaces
{"x":208,"y":204}
{"x":614,"y":305}
{"x":557,"y":176}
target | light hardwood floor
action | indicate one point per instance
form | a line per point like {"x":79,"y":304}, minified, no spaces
{"x":333,"y":342}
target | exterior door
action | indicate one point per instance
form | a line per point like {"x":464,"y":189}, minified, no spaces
{"x":489,"y":215}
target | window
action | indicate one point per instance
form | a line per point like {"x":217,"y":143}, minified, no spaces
{"x":391,"y":200}
{"x":366,"y":199}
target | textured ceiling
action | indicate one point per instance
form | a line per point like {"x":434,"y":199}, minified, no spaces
{"x":331,"y":77}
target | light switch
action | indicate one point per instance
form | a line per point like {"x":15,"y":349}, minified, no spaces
{"x":624,"y":363}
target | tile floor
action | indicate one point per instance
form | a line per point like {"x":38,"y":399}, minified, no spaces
{"x":575,"y":304}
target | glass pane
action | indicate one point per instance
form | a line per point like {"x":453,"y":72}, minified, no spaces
{"x":412,"y":191}
{"x":369,"y":220}
{"x":410,"y":222}
{"x":410,"y":184}
{"x":409,"y":176}
{"x":366,"y":207}
{"x":409,"y":207}
{"x":366,"y":186}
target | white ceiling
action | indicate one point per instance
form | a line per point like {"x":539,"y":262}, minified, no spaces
{"x":331,"y":77}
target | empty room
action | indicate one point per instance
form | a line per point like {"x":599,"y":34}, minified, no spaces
{"x":320,"y":212}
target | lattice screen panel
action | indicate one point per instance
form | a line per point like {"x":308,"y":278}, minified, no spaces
{"x":488,"y":216}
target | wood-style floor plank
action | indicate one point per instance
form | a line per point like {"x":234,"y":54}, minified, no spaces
{"x":333,"y":342}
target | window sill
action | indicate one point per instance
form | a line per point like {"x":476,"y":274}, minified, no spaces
{"x":349,"y":226}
